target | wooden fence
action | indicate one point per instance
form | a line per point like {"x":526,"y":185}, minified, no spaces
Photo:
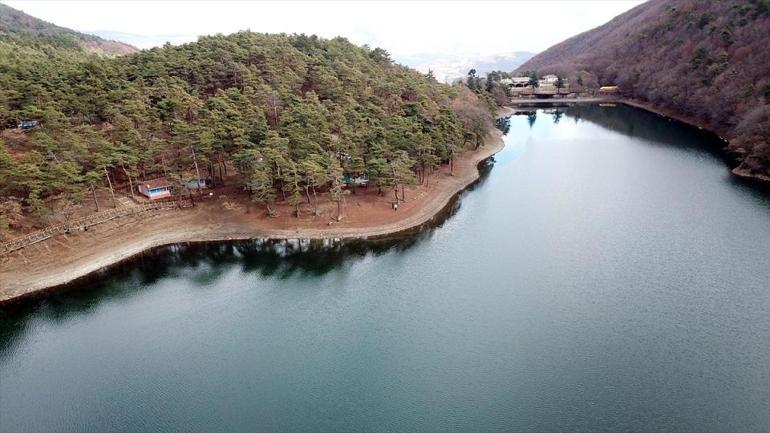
{"x":91,"y":220}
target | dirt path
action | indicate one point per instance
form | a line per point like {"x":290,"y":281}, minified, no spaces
{"x":230,"y":216}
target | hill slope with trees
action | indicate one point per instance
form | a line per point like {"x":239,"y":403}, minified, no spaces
{"x":291,"y":114}
{"x":15,"y":23}
{"x":705,"y":60}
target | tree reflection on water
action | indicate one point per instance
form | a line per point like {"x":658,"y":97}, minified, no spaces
{"x":201,"y":263}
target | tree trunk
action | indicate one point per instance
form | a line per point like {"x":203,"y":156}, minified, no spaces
{"x":112,"y":191}
{"x":452,"y":165}
{"x":395,"y":192}
{"x":280,"y":178}
{"x":403,"y":192}
{"x":339,"y":210}
{"x":210,"y":168}
{"x":163,"y":164}
{"x":315,"y":202}
{"x":197,"y":172}
{"x":223,"y":164}
{"x":130,"y":183}
{"x":96,"y":202}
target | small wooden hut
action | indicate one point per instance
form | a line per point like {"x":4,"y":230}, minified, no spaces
{"x":155,"y":188}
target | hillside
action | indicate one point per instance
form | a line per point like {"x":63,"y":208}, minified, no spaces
{"x":283,"y":116}
{"x":706,"y":61}
{"x":15,"y":23}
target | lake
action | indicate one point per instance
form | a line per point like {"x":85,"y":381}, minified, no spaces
{"x":605,"y":274}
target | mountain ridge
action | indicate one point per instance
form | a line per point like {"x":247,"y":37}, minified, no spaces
{"x":16,"y":23}
{"x":703,"y":60}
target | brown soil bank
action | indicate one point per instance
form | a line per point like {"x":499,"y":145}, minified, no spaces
{"x":227,"y":216}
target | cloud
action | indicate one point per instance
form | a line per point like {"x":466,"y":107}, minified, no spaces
{"x":403,"y":28}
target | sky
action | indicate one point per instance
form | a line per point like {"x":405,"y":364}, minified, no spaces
{"x":403,"y":28}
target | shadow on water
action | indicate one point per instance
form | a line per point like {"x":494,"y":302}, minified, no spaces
{"x":660,"y":130}
{"x":654,"y":128}
{"x":208,"y":260}
{"x":638,"y":123}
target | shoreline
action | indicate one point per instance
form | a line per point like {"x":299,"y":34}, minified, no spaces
{"x":733,"y":166}
{"x":16,"y":283}
{"x":625,"y":101}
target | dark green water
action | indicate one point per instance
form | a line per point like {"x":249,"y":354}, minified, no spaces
{"x":607,"y":274}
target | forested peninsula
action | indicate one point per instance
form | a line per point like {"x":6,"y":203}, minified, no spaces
{"x":289,"y":119}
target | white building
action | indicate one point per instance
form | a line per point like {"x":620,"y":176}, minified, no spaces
{"x":549,"y":79}
{"x":519,"y":81}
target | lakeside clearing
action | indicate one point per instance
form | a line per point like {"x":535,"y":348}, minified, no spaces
{"x":65,"y":258}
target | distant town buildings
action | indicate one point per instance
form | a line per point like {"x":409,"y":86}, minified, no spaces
{"x":549,"y":79}
{"x":519,"y":82}
{"x":608,"y":90}
{"x":547,"y":86}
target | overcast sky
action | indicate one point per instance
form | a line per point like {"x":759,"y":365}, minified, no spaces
{"x":403,"y":28}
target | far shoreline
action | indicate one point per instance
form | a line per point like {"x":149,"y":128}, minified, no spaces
{"x":18,"y":284}
{"x":733,"y":167}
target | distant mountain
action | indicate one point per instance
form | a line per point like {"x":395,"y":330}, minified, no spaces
{"x":146,"y":41}
{"x":16,"y":23}
{"x":449,"y":68}
{"x":506,"y":62}
{"x":704,"y":60}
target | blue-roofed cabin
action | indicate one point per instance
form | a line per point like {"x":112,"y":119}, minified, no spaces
{"x":155,"y":188}
{"x":198,"y":183}
{"x":28,"y":124}
{"x":355,"y":181}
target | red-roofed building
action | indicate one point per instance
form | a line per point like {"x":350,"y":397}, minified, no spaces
{"x":155,"y":188}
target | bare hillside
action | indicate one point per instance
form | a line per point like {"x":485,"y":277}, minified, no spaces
{"x":706,"y":60}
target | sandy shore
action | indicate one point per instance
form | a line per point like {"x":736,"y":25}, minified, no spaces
{"x":65,"y":258}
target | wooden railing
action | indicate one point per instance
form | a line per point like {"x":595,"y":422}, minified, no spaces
{"x":88,"y":221}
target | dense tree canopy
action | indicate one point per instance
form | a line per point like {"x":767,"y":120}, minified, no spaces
{"x":290,"y":113}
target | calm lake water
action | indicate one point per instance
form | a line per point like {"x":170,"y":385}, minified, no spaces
{"x":606,"y":274}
